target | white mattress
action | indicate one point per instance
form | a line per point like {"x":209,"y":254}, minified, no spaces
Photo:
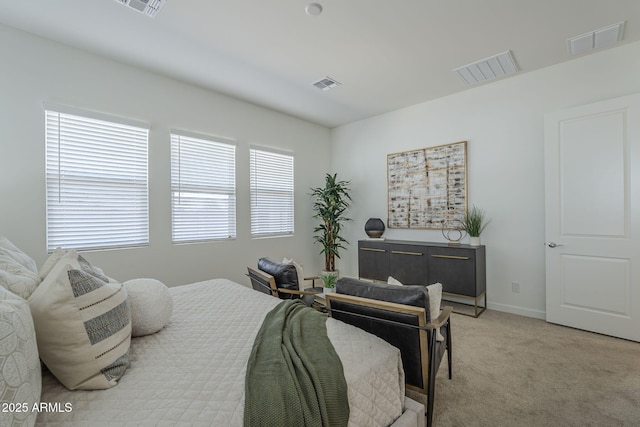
{"x":192,"y":372}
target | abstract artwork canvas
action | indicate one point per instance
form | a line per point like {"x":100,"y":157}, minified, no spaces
{"x":428,"y":187}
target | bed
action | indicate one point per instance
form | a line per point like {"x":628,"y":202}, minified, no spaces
{"x":192,"y":371}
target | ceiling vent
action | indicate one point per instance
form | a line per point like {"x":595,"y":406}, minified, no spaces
{"x":326,"y":83}
{"x":487,"y":69}
{"x":595,"y":39}
{"x":148,"y":7}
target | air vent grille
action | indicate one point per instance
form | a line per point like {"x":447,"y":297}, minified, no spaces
{"x":326,"y":83}
{"x":490,"y":68}
{"x":148,"y":7}
{"x":596,"y":39}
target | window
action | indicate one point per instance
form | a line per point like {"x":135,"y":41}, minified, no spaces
{"x":203,"y":189}
{"x":96,"y":180}
{"x":271,"y":193}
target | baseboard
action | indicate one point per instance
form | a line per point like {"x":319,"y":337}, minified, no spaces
{"x":527,"y":312}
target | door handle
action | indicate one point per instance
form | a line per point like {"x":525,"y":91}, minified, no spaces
{"x":552,"y":244}
{"x":406,"y":253}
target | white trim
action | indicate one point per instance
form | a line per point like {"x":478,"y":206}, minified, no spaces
{"x":271,"y":150}
{"x":66,"y":109}
{"x":522,"y":311}
{"x":207,"y":137}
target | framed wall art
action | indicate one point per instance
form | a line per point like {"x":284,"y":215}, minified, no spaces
{"x":427,"y":188}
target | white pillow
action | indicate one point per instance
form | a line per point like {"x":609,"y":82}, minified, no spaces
{"x":50,"y":262}
{"x":19,"y":256}
{"x":393,"y":281}
{"x":435,"y":299}
{"x":15,"y":277}
{"x":299,"y":271}
{"x":20,"y":375}
{"x":151,"y":306}
{"x":83,"y":325}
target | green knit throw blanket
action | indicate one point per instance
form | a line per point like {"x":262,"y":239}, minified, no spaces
{"x":294,"y":376}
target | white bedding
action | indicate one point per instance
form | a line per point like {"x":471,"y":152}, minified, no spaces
{"x":192,"y":372}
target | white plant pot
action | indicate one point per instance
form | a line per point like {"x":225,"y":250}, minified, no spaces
{"x":326,"y":291}
{"x":474,"y":241}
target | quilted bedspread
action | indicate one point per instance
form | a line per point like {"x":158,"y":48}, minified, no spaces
{"x":192,"y":372}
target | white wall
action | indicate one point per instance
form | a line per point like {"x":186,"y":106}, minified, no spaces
{"x":503,"y":124}
{"x":34,"y":70}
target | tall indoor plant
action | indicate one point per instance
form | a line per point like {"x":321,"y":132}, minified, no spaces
{"x":329,"y":204}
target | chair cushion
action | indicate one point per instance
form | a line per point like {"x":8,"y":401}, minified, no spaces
{"x":298,"y":267}
{"x":286,"y":275}
{"x":416,"y":296}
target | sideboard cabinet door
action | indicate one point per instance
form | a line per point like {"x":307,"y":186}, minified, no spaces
{"x":373,"y":260}
{"x":460,"y":270}
{"x":409,"y":264}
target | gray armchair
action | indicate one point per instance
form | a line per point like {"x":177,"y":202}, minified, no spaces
{"x":280,"y":280}
{"x":400,"y":315}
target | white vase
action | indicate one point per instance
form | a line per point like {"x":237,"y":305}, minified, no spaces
{"x":326,"y":291}
{"x":474,"y":241}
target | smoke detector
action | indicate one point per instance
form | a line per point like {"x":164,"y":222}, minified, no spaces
{"x":148,"y":7}
{"x":313,"y":9}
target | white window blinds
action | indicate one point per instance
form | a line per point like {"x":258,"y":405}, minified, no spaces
{"x":271,"y":175}
{"x":96,"y":181}
{"x":203,"y":189}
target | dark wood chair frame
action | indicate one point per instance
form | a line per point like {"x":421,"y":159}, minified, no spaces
{"x":427,"y":337}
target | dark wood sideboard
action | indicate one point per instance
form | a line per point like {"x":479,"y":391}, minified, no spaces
{"x":461,"y":269}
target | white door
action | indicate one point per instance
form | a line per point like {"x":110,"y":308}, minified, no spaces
{"x":592,"y":184}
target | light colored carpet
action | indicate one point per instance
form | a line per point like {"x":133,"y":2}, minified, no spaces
{"x":510,"y":370}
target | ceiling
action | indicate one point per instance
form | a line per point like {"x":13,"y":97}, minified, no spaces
{"x":387,"y":54}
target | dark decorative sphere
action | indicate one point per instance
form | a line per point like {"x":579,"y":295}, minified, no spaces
{"x":374,"y":227}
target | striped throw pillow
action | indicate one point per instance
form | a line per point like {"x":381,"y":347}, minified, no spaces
{"x":83,"y":324}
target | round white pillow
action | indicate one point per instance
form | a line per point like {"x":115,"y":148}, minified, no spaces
{"x":151,"y":306}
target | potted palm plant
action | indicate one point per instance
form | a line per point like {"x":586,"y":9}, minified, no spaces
{"x":474,"y":223}
{"x":330,"y":204}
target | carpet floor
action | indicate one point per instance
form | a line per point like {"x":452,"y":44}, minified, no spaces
{"x":510,"y":370}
